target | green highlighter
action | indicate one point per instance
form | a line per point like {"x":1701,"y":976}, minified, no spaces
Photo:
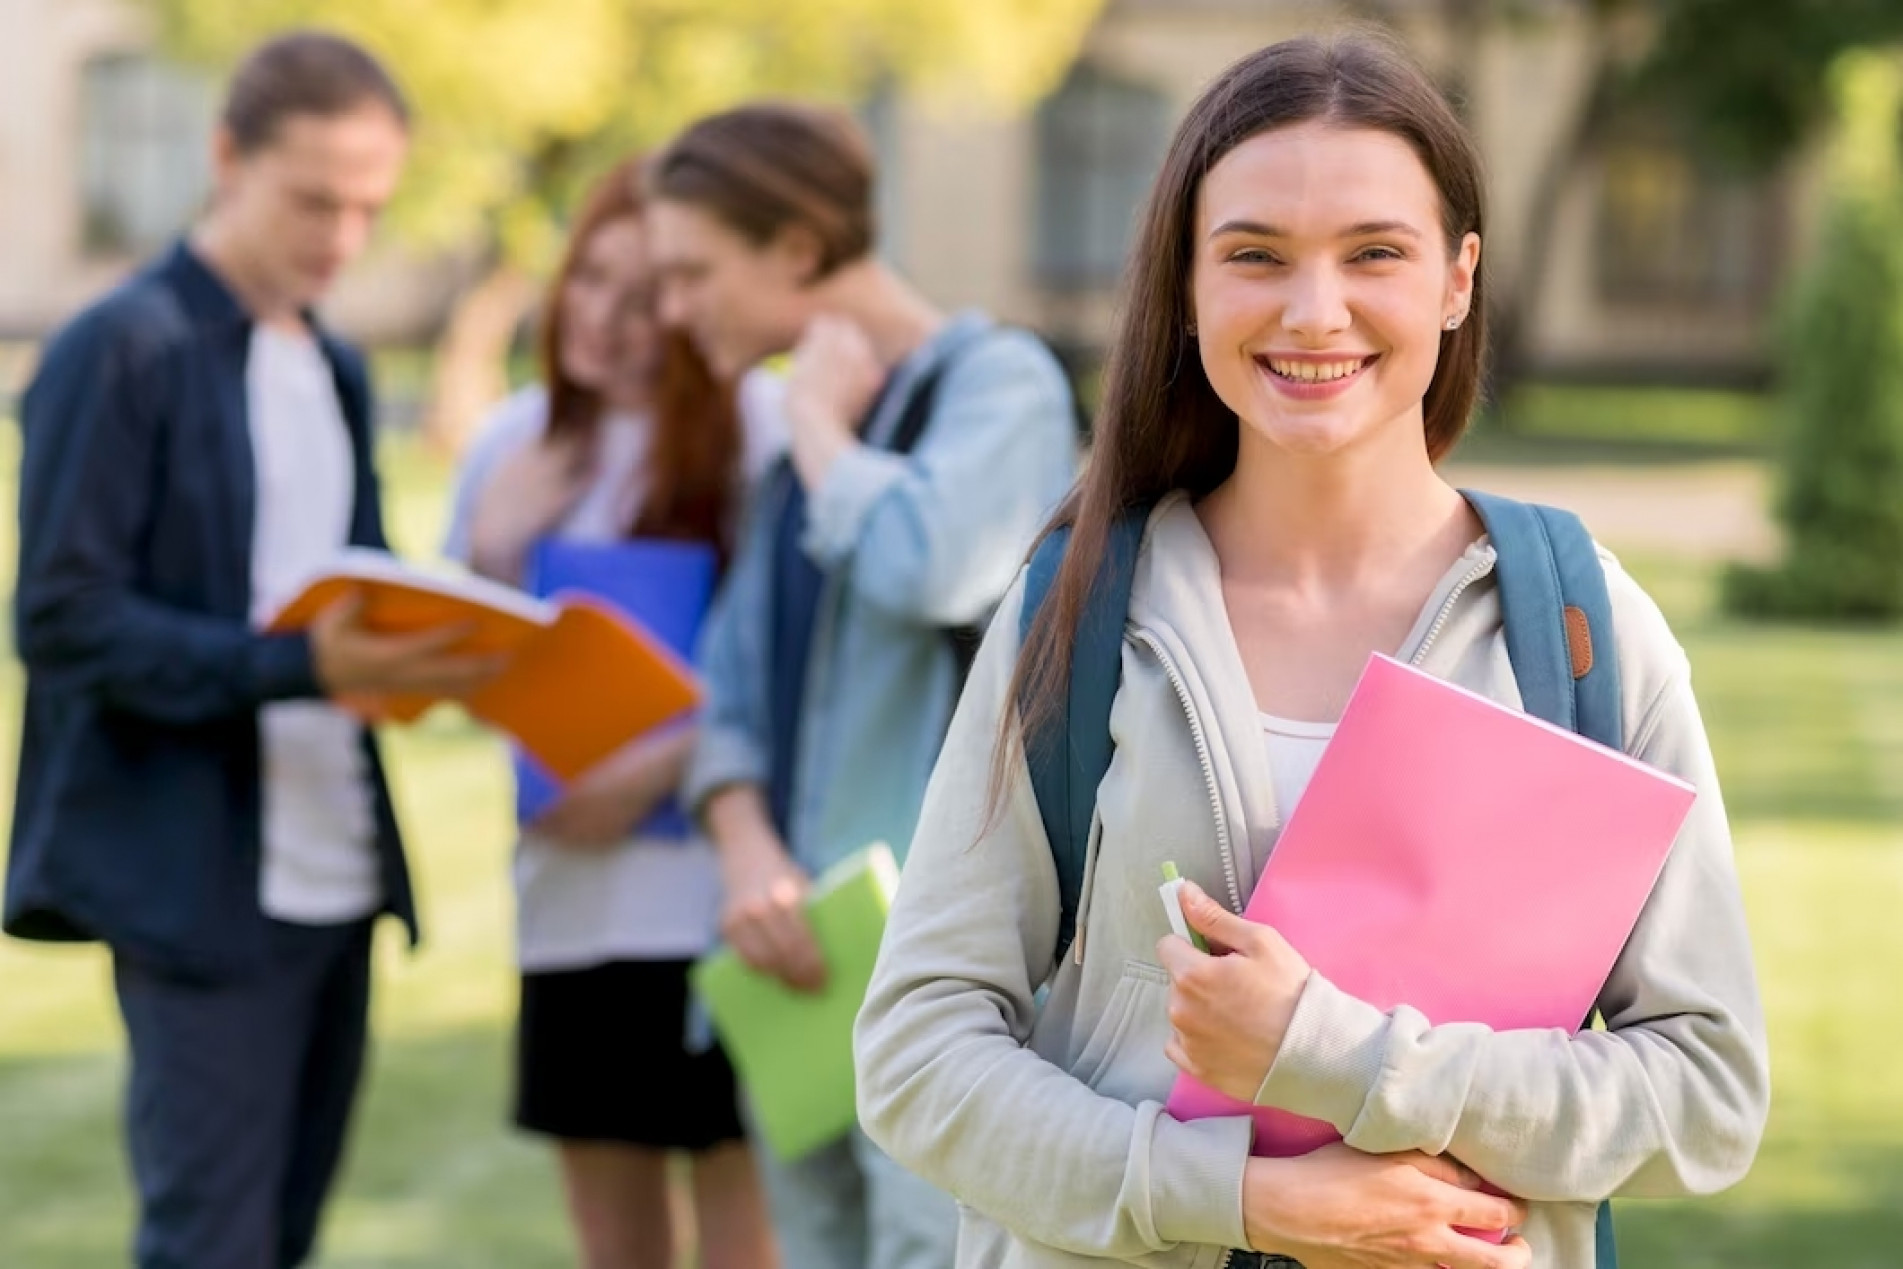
{"x":1172,"y":894}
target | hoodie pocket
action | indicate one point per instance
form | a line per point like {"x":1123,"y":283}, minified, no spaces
{"x":1141,"y":990}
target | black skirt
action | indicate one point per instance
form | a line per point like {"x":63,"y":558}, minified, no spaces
{"x":601,"y":1056}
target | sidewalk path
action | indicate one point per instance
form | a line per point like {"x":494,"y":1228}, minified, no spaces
{"x":1705,"y":510}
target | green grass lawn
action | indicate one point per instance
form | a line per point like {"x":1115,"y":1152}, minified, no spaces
{"x":1808,"y":727}
{"x":1546,"y":424}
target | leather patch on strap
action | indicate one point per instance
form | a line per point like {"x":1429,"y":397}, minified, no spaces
{"x":1579,"y":641}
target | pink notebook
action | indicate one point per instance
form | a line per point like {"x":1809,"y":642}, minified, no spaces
{"x":1460,"y":857}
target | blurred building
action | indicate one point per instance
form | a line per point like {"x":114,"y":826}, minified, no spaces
{"x":104,"y":158}
{"x":1644,"y":262}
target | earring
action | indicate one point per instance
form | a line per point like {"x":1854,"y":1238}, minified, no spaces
{"x":1453,"y":323}
{"x":1190,"y":330}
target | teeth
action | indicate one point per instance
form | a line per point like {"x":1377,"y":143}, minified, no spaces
{"x":1314,"y":371}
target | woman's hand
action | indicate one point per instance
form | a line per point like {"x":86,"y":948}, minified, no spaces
{"x":1338,"y":1208}
{"x":526,"y":496}
{"x":600,"y":806}
{"x":763,"y":917}
{"x":1229,"y":1011}
{"x":358,"y":668}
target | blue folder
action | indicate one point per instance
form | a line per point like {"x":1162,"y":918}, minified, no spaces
{"x":664,"y":586}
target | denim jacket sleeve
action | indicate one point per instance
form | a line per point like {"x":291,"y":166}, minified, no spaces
{"x":92,"y":426}
{"x":733,"y":744}
{"x":937,"y":535}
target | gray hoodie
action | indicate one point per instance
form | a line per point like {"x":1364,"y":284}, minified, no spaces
{"x":1048,"y":1124}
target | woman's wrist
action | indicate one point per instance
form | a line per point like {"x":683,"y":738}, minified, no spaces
{"x":1264,"y":1183}
{"x":736,"y":819}
{"x":498,"y":554}
{"x":817,"y":450}
{"x":651,"y":768}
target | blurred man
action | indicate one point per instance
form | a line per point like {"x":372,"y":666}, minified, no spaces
{"x":195,"y":444}
{"x":926,"y":451}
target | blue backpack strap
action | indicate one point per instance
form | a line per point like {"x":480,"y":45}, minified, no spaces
{"x":1558,"y":620}
{"x":1605,"y":1252}
{"x":1558,"y":616}
{"x":1069,"y":757}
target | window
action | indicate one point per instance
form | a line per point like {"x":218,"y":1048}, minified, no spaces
{"x":1674,"y":230}
{"x":144,"y":160}
{"x":1100,"y":140}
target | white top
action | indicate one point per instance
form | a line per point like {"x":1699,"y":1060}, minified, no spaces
{"x":645,"y":899}
{"x":1295,"y":749}
{"x":319,"y":863}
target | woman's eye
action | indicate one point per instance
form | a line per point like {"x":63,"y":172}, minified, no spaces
{"x":1252,"y":255}
{"x":1378,"y":254}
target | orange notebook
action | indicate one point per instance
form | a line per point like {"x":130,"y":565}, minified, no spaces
{"x":582,"y":680}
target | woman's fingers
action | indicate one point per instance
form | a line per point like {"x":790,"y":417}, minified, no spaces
{"x":1472,"y":1210}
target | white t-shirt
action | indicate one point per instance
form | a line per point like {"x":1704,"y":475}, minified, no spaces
{"x":645,"y":899}
{"x":319,"y":863}
{"x":1295,"y":749}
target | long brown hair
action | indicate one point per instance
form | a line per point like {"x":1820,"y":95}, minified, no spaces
{"x":762,"y":167}
{"x":1161,"y":426}
{"x":693,"y":463}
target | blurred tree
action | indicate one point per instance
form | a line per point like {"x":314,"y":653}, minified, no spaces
{"x":1748,"y":78}
{"x":1754,"y":76}
{"x":520,"y":102}
{"x":1612,"y":32}
{"x":1841,"y":500}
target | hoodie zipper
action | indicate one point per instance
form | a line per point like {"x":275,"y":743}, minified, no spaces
{"x":1201,"y":738}
{"x":1473,"y":575}
{"x":1223,"y":842}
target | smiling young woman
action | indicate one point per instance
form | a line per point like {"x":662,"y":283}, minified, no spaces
{"x":627,"y":435}
{"x":1301,"y":344}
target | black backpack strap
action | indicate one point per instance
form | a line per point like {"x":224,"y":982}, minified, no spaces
{"x":1069,"y":756}
{"x":905,"y":437}
{"x":918,"y":409}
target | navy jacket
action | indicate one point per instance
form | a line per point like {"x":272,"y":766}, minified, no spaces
{"x":136,"y":815}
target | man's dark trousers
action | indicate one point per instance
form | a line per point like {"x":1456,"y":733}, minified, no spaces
{"x":240,"y":1097}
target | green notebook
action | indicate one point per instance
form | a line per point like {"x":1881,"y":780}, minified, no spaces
{"x":793,"y":1050}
